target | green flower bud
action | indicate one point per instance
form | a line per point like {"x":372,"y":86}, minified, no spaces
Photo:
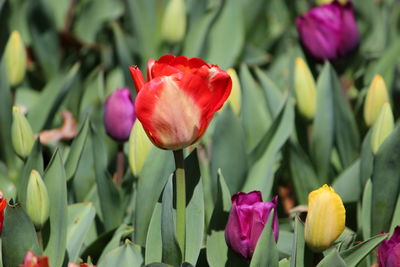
{"x":37,"y":200}
{"x":376,"y":96}
{"x":174,"y":21}
{"x":305,"y":89}
{"x":22,"y":136}
{"x":382,"y":128}
{"x":15,"y":59}
{"x":139,"y":148}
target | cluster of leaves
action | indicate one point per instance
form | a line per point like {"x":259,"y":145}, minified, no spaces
{"x":79,"y":52}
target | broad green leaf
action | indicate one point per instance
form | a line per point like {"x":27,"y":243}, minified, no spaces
{"x":266,"y":253}
{"x":297,"y":257}
{"x":255,"y":116}
{"x":385,"y":183}
{"x":171,"y":253}
{"x":34,"y":162}
{"x":127,"y":255}
{"x":332,"y":259}
{"x":80,"y":218}
{"x":56,"y":184}
{"x":18,"y":236}
{"x":223,"y":47}
{"x":156,"y":170}
{"x":284,"y":263}
{"x":51,"y":97}
{"x":76,"y":150}
{"x":366,"y":159}
{"x":347,"y":185}
{"x":303,"y":174}
{"x":228,"y":136}
{"x":356,"y":254}
{"x":366,"y":210}
{"x":154,"y":239}
{"x":122,"y":232}
{"x":59,"y":9}
{"x":93,"y":15}
{"x":323,"y":125}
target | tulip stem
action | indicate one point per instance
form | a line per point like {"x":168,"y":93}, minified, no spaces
{"x":119,"y":173}
{"x":180,"y":199}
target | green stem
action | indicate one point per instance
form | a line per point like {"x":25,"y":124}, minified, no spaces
{"x":180,"y":199}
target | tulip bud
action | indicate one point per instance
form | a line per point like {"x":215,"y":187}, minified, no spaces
{"x":21,"y":134}
{"x":3,"y":205}
{"x":119,"y":114}
{"x":325,"y":220}
{"x":15,"y":59}
{"x":139,"y":147}
{"x":389,"y":250}
{"x":329,"y":32}
{"x":31,"y":260}
{"x":382,"y":127}
{"x":376,"y":96}
{"x":323,"y":2}
{"x":247,"y":219}
{"x":174,"y":21}
{"x":305,"y":88}
{"x":37,"y":200}
{"x":234,"y":98}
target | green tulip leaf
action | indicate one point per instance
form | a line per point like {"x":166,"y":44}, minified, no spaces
{"x":127,"y":255}
{"x":154,"y":240}
{"x":332,"y":259}
{"x":297,"y":257}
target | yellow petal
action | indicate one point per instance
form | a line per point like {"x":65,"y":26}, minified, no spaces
{"x":325,"y":219}
{"x":382,"y":128}
{"x":235,"y":98}
{"x":15,"y":59}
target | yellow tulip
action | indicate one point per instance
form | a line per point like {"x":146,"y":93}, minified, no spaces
{"x":376,"y":96}
{"x":382,"y":128}
{"x":325,"y":219}
{"x":305,"y":89}
{"x":139,"y":147}
{"x":235,"y":98}
{"x":174,"y":21}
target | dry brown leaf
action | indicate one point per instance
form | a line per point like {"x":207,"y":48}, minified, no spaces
{"x":67,"y":131}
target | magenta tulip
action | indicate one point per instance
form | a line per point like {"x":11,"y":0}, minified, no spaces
{"x":119,"y":114}
{"x":329,"y":31}
{"x":247,"y":219}
{"x":389,"y":250}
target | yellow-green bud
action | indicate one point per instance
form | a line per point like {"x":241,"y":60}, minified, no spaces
{"x":37,"y":200}
{"x":139,"y":148}
{"x":15,"y":59}
{"x":21,"y":134}
{"x":305,"y":88}
{"x":325,"y":220}
{"x":382,"y":127}
{"x":376,"y":96}
{"x":323,"y":2}
{"x":235,"y":98}
{"x":174,"y":21}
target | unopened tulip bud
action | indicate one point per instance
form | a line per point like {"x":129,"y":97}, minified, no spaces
{"x":174,"y":21}
{"x":376,"y":96}
{"x":235,"y":98}
{"x":389,"y":250}
{"x":21,"y":134}
{"x":247,"y":219}
{"x":139,"y":148}
{"x":15,"y":59}
{"x":325,"y":220}
{"x":37,"y":200}
{"x":382,"y":128}
{"x":323,"y":2}
{"x":119,"y":114}
{"x":305,"y":88}
{"x":31,"y":260}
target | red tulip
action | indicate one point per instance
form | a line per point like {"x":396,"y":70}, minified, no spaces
{"x":31,"y":260}
{"x":179,"y":99}
{"x":3,"y":205}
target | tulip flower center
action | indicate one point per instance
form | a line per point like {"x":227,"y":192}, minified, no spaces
{"x":176,"y":115}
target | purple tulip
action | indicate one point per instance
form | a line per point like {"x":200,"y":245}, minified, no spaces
{"x":119,"y":114}
{"x":389,"y":250}
{"x":329,"y":31}
{"x":247,"y":219}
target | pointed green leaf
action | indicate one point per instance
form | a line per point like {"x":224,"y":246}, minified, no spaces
{"x":297,"y":258}
{"x":332,"y":259}
{"x":127,"y":255}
